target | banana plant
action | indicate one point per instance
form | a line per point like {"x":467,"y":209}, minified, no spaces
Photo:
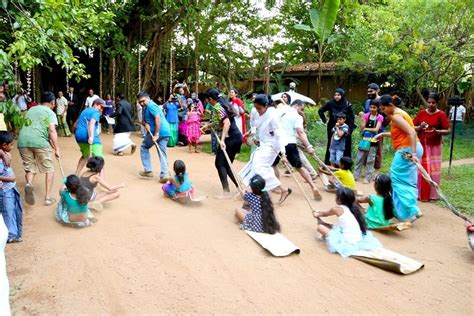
{"x":322,"y":26}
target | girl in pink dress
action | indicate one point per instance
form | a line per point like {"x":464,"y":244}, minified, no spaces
{"x":194,"y":125}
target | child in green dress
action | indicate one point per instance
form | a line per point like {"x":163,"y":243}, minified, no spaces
{"x":380,"y":209}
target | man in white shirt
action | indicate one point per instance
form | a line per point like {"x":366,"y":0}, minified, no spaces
{"x":91,"y":98}
{"x":61,"y":112}
{"x":21,"y":100}
{"x":460,"y":116}
{"x":292,"y":125}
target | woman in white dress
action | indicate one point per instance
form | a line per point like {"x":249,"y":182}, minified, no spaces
{"x":270,"y":144}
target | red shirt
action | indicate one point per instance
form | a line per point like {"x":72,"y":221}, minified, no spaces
{"x":437,"y":120}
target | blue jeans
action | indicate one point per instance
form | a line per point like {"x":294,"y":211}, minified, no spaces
{"x":146,"y":158}
{"x":335,"y":155}
{"x":12,"y":212}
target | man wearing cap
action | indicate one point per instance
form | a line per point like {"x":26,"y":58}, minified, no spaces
{"x":87,"y":133}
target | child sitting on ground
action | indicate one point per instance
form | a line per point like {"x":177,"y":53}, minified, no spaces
{"x":351,"y":234}
{"x":372,"y":122}
{"x":10,"y":199}
{"x":343,"y":174}
{"x":338,"y":140}
{"x":380,"y":209}
{"x":72,"y":208}
{"x":92,"y":177}
{"x":179,"y":185}
{"x":261,"y":217}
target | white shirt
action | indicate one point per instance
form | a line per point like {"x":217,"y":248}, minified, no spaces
{"x":91,"y":100}
{"x":61,"y":105}
{"x":270,"y":131}
{"x":459,"y":113}
{"x":20,"y":100}
{"x":290,"y":121}
{"x":349,"y":225}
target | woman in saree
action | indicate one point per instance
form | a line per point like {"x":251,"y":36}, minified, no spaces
{"x":431,"y":124}
{"x":408,"y":151}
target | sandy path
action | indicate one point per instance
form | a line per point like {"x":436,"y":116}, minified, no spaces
{"x":148,"y":254}
{"x":459,"y":162}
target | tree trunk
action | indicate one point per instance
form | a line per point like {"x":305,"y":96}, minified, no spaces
{"x":267,"y":72}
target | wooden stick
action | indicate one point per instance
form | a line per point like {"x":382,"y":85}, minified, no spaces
{"x":61,"y":168}
{"x":322,"y":164}
{"x":287,"y":166}
{"x":236,"y":176}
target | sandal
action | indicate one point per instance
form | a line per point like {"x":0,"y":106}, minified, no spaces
{"x":120,"y":153}
{"x":49,"y":201}
{"x":317,"y":196}
{"x":29,"y":196}
{"x":284,"y":196}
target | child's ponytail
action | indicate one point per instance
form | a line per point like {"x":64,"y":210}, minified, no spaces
{"x":74,"y":186}
{"x":180,"y":170}
{"x":383,"y":186}
{"x":269,"y":221}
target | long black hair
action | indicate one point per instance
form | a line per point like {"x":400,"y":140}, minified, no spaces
{"x":346,"y":197}
{"x":179,"y":169}
{"x":383,"y":186}
{"x":74,"y":186}
{"x":269,"y":221}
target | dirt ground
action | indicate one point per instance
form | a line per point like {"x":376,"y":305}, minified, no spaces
{"x":147,"y":255}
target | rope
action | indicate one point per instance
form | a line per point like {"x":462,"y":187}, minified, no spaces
{"x":427,"y":177}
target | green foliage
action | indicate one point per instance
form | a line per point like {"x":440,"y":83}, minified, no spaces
{"x":458,"y":188}
{"x":40,"y":30}
{"x":13,"y":115}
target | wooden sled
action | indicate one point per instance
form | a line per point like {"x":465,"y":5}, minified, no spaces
{"x":389,"y":260}
{"x":277,"y":244}
{"x":393,"y":227}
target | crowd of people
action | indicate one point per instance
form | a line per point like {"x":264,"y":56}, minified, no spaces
{"x":274,"y":127}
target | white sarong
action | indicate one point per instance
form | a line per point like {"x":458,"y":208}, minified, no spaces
{"x":121,"y":141}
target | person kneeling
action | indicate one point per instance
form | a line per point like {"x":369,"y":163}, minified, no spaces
{"x":257,"y":214}
{"x":72,"y":208}
{"x":351,"y":234}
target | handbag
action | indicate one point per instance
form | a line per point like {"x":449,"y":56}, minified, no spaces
{"x":364,"y":144}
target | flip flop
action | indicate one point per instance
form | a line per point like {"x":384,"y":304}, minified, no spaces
{"x":283,"y":198}
{"x":29,"y":196}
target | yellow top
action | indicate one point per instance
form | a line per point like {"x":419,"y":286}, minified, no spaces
{"x":346,"y":178}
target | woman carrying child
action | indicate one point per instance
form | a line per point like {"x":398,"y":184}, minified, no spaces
{"x":72,"y":208}
{"x":351,"y":234}
{"x":257,"y":214}
{"x":10,"y":199}
{"x":179,"y":185}
{"x":372,"y":122}
{"x":380,"y":210}
{"x":92,"y":177}
{"x":194,"y":125}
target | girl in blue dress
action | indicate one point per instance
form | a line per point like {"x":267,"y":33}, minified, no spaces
{"x":351,"y":234}
{"x":179,"y":185}
{"x":257,"y":214}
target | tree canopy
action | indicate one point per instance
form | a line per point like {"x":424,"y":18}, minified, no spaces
{"x":411,"y":44}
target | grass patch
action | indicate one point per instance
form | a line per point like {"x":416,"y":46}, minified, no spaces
{"x":457,"y":187}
